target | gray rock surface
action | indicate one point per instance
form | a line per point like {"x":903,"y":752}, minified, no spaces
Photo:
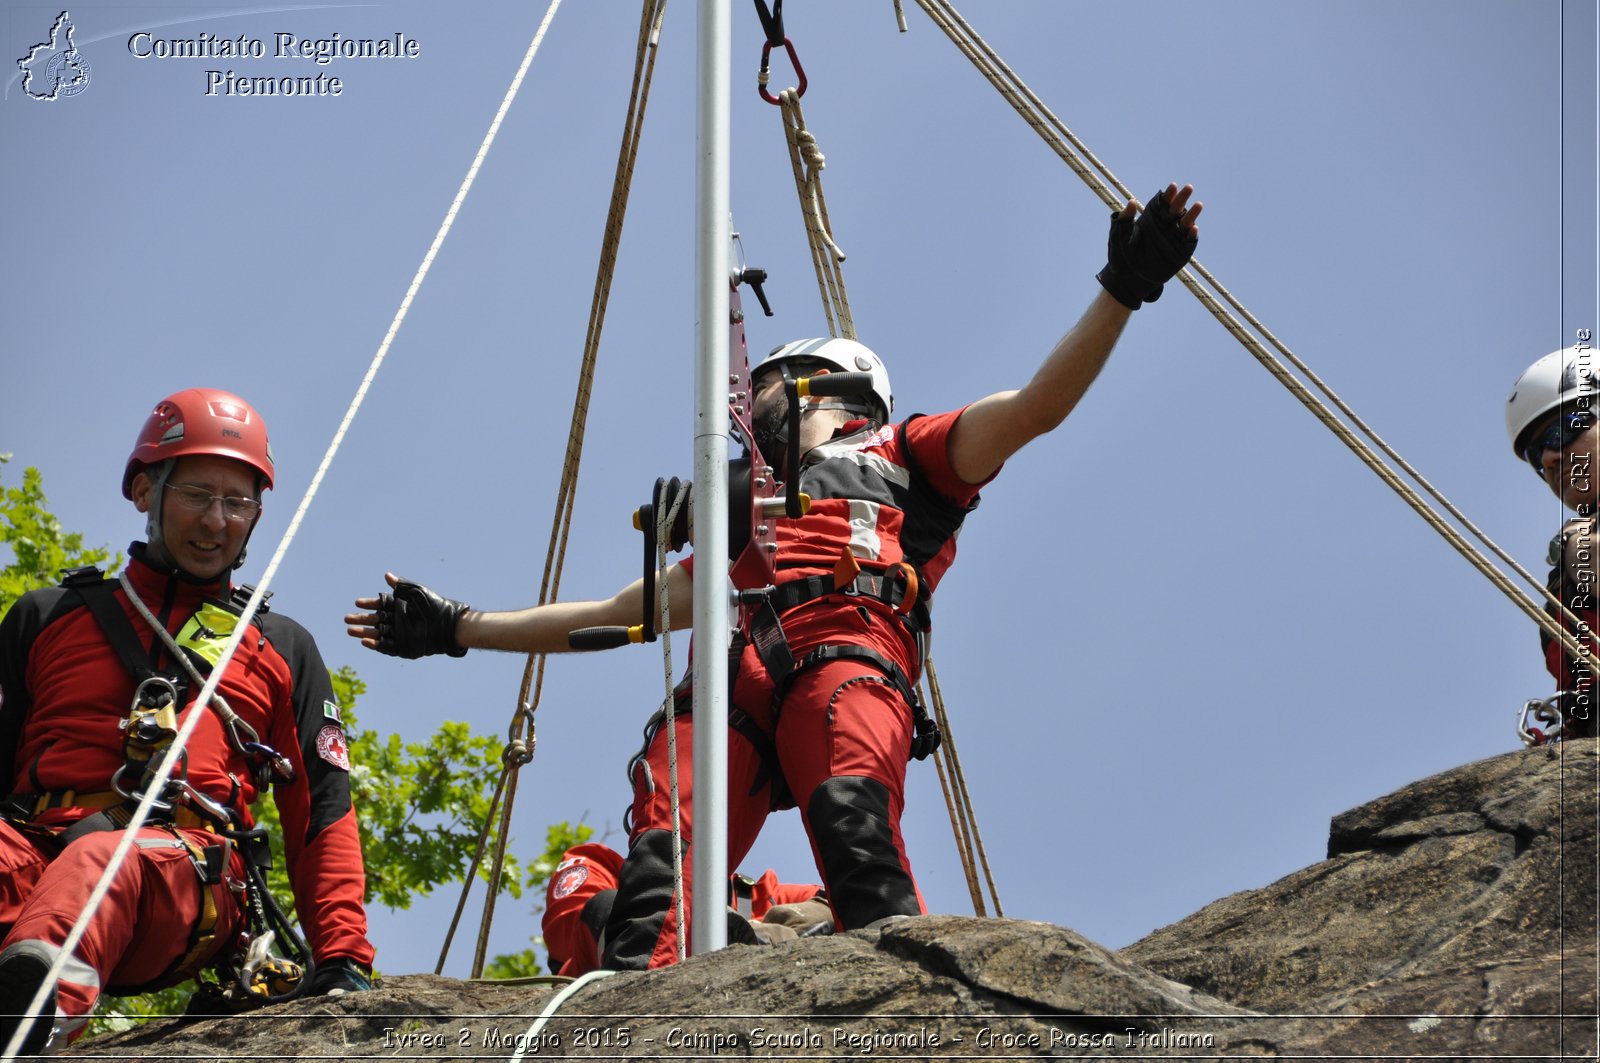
{"x":1453,"y":919}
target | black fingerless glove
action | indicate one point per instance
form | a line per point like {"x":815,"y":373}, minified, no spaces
{"x":1145,"y":252}
{"x":342,"y":975}
{"x":415,"y":622}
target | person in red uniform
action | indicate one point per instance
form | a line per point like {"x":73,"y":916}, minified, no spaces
{"x":579,"y":896}
{"x":1553,"y":419}
{"x":71,"y":660}
{"x":828,"y":724}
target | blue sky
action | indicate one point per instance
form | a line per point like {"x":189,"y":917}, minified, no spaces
{"x":1184,"y":631}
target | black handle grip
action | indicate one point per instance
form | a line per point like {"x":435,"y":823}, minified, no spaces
{"x":835,"y":384}
{"x":599,"y":638}
{"x":756,"y":278}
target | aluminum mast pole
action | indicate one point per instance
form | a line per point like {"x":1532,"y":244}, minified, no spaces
{"x":709,"y":811}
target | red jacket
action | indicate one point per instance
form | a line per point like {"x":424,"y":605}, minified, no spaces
{"x":885,"y":497}
{"x":64,"y":692}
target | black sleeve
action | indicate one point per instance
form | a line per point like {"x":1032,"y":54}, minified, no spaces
{"x":315,"y":710}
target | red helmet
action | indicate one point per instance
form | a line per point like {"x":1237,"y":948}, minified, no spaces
{"x":201,"y":421}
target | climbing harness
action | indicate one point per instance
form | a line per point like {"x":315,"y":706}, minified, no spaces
{"x":150,"y":731}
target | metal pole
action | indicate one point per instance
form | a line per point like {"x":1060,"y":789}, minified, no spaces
{"x":709,"y":809}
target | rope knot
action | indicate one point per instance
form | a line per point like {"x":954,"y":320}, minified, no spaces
{"x":518,"y":753}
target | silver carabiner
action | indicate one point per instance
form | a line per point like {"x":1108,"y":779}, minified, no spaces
{"x":1545,"y":711}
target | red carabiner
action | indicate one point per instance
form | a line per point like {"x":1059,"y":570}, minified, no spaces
{"x":794,"y":61}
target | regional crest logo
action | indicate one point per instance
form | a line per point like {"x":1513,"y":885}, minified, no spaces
{"x":54,"y":69}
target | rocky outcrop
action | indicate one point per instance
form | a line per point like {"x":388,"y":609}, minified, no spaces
{"x":1465,"y":901}
{"x":1454,"y":918}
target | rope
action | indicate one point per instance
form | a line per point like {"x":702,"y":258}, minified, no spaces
{"x":970,"y":837}
{"x":142,"y":812}
{"x":826,"y":256}
{"x":472,"y":873}
{"x":958,"y":827}
{"x":528,"y":696}
{"x":664,"y":522}
{"x":1102,"y":181}
{"x":230,"y":719}
{"x":532,"y":1036}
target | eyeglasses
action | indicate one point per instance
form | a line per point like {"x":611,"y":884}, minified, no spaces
{"x":1559,"y":433}
{"x":199,"y":500}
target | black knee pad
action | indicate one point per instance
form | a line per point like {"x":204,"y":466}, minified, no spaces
{"x":640,"y":906}
{"x":849,"y":817}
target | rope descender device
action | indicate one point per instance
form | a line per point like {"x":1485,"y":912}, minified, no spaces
{"x":149,"y":729}
{"x":772,"y":25}
{"x":1537,"y":711}
{"x":752,"y":487}
{"x":666,"y":495}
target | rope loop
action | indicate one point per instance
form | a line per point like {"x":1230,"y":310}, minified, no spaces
{"x":518,"y":753}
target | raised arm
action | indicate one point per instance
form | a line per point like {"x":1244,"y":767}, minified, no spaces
{"x":1145,"y":251}
{"x":414,"y":621}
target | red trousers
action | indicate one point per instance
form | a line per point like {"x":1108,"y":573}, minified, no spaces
{"x":579,"y":895}
{"x":840,"y":740}
{"x":144,"y":925}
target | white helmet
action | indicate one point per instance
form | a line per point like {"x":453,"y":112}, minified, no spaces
{"x":847,"y":356}
{"x":1565,"y":377}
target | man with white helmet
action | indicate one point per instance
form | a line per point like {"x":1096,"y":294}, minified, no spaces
{"x":75,"y":758}
{"x":1552,"y":418}
{"x":824,"y":713}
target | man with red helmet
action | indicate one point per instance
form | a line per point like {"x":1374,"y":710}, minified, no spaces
{"x":824,"y":713}
{"x":1553,"y":419}
{"x":74,"y":757}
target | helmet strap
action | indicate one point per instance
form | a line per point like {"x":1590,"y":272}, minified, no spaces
{"x":158,"y":475}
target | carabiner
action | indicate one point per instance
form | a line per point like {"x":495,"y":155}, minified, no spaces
{"x":763,"y":77}
{"x":1545,"y":711}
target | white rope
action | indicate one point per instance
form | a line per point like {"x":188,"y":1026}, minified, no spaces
{"x":230,"y":719}
{"x":664,"y":522}
{"x":532,"y":1036}
{"x":142,"y":812}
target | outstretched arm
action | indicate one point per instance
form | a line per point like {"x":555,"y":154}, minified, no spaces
{"x":416,"y":622}
{"x":1144,"y":254}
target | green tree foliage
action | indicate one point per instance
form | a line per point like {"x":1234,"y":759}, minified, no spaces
{"x":40,"y":551}
{"x":421,"y":805}
{"x":558,"y":838}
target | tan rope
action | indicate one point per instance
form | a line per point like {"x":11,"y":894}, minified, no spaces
{"x":826,"y":256}
{"x":522,"y":739}
{"x":472,"y":873}
{"x":958,"y":827}
{"x":1084,"y":163}
{"x":980,"y":856}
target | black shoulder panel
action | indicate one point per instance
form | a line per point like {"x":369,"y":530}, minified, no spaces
{"x":312,"y":696}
